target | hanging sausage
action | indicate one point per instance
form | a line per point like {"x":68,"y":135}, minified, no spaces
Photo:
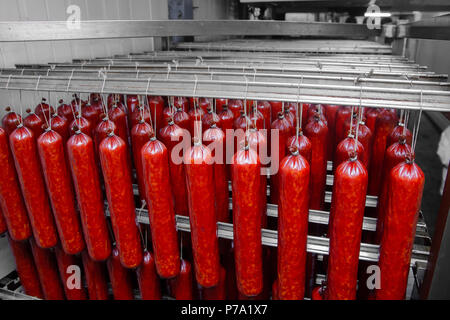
{"x":26,"y":268}
{"x":384,"y":125}
{"x":235,"y":106}
{"x":120,"y":278}
{"x":48,"y":272}
{"x":371,"y":115}
{"x":65,"y":110}
{"x":139,"y":137}
{"x":34,"y":123}
{"x":29,"y":171}
{"x":171,"y":135}
{"x":345,"y":228}
{"x":294,"y":174}
{"x":215,"y":138}
{"x":218,"y":292}
{"x":65,"y":264}
{"x":200,"y":186}
{"x":119,"y":191}
{"x":302,"y":143}
{"x":405,"y":195}
{"x":330,"y":112}
{"x":220,"y":103}
{"x":11,"y":201}
{"x":246,"y":182}
{"x":158,"y":192}
{"x":156,"y":106}
{"x":345,"y":148}
{"x":394,"y":155}
{"x":209,"y":118}
{"x":148,"y":279}
{"x":10,"y":120}
{"x":43,"y":110}
{"x":101,"y":132}
{"x":226,"y":118}
{"x":181,"y":287}
{"x":83,"y":124}
{"x":59,"y":186}
{"x":397,"y":133}
{"x":317,"y":133}
{"x":80,"y":150}
{"x":95,"y":278}
{"x":91,"y":114}
{"x":137,"y":115}
{"x":181,"y":118}
{"x":60,"y":125}
{"x":265,"y":109}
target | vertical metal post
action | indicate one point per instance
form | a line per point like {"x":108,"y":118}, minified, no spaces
{"x":436,"y":284}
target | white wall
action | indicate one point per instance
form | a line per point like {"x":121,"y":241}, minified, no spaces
{"x":65,"y":51}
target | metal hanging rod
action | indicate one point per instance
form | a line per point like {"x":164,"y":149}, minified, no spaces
{"x":433,"y":100}
{"x":318,"y":78}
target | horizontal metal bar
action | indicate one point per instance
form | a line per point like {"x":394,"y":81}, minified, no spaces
{"x":437,"y":28}
{"x":111,"y":29}
{"x":433,"y":100}
{"x":281,"y":77}
{"x":6,"y":294}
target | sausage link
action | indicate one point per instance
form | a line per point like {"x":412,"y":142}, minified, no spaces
{"x":48,"y":272}
{"x":23,"y":146}
{"x":343,"y":115}
{"x":330,"y":115}
{"x":158,"y":194}
{"x":345,"y":148}
{"x":171,"y":135}
{"x":247,"y":221}
{"x":317,"y":133}
{"x":181,"y":287}
{"x":10,"y":120}
{"x":3,"y":226}
{"x":293,"y":226}
{"x":140,"y":134}
{"x":85,"y":176}
{"x":384,"y":125}
{"x":59,"y":186}
{"x":101,"y":132}
{"x":394,"y":155}
{"x":218,"y":292}
{"x":61,"y":125}
{"x":120,"y":278}
{"x":405,"y":195}
{"x":148,"y":279}
{"x":11,"y":201}
{"x":397,"y":133}
{"x":34,"y":123}
{"x":26,"y":268}
{"x":65,"y":263}
{"x":119,"y":191}
{"x":83,"y":124}
{"x":302,"y":144}
{"x":200,"y":183}
{"x":95,"y":278}
{"x":347,"y":212}
{"x":216,"y":136}
{"x":156,"y":106}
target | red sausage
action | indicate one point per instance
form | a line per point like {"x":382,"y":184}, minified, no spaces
{"x":47,"y":272}
{"x":220,"y":103}
{"x":247,"y":221}
{"x":210,"y":118}
{"x":275,"y":107}
{"x":24,"y":151}
{"x":119,"y":117}
{"x":65,"y":110}
{"x":285,"y":130}
{"x":171,"y":135}
{"x":365,"y":137}
{"x":158,"y":194}
{"x":137,"y":114}
{"x":181,"y":287}
{"x":148,"y":279}
{"x":61,"y":125}
{"x":91,"y":114}
{"x":235,"y":106}
{"x":275,"y":290}
{"x":95,"y":99}
{"x":34,"y":123}
{"x":257,"y":119}
{"x":330,"y":114}
{"x":83,"y":124}
{"x":26,"y":268}
{"x":258,"y":142}
{"x":217,"y":138}
{"x":59,"y":186}
{"x":119,"y":191}
{"x":11,"y":201}
{"x":101,"y":132}
{"x":241,"y":122}
{"x":200,"y":185}
{"x":218,"y":292}
{"x":183,"y":103}
{"x":302,"y":144}
{"x":345,"y":148}
{"x":371,"y":115}
{"x":293,"y":226}
{"x":156,"y":105}
{"x":347,"y":212}
{"x":394,"y":155}
{"x":10,"y":120}
{"x":43,"y":110}
{"x":265,"y":109}
{"x":181,"y":118}
{"x":342,"y":116}
{"x":139,"y":137}
{"x":194,"y":115}
{"x":317,"y":133}
{"x":80,"y":150}
{"x":226,"y":118}
{"x":120,"y":278}
{"x":384,"y":125}
{"x":65,"y":262}
{"x":132,"y":105}
{"x":398,"y":132}
{"x":95,"y":278}
{"x":317,"y":293}
{"x":405,"y":195}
